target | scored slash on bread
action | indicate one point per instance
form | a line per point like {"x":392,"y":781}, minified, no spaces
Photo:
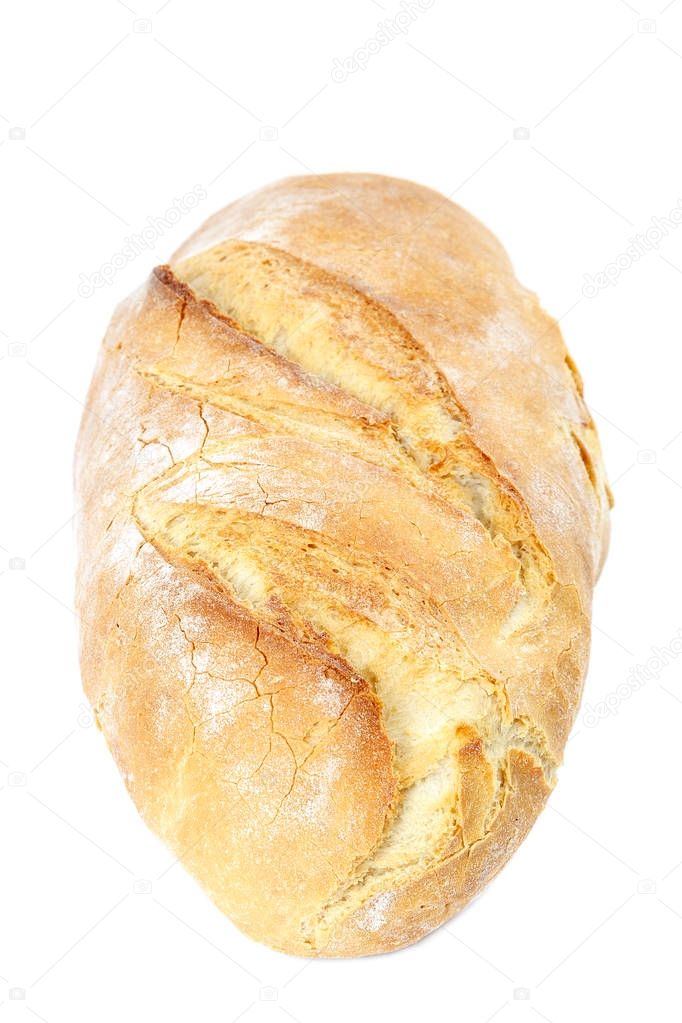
{"x":342,"y":508}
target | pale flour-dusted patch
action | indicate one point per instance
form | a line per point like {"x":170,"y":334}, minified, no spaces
{"x":373,"y":916}
{"x":165,"y":708}
{"x":311,"y":516}
{"x":329,"y":696}
{"x":315,"y":807}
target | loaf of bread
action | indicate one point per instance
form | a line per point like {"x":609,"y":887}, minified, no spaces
{"x":341,"y":511}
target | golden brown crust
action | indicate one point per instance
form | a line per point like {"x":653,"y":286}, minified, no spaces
{"x":392,"y":920}
{"x":342,"y":509}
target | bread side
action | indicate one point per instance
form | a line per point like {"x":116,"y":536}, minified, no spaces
{"x":335,"y":605}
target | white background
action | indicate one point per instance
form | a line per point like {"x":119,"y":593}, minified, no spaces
{"x":105,"y":120}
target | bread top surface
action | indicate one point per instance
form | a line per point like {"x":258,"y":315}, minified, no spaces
{"x":450,"y":284}
{"x":342,"y":508}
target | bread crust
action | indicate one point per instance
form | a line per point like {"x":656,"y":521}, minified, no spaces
{"x":341,"y":511}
